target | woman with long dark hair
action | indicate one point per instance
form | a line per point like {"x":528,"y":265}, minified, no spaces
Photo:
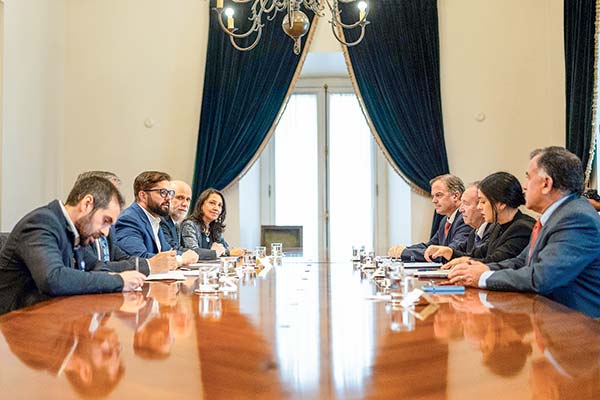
{"x":500,"y":195}
{"x":203,"y":230}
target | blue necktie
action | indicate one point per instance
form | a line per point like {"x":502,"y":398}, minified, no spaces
{"x":104,"y":249}
{"x":477,"y":241}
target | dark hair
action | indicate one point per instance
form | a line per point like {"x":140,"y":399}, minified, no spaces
{"x":502,"y":187}
{"x":216,"y":227}
{"x":453,"y":183}
{"x":101,"y":174}
{"x":101,"y":189}
{"x":147,"y":180}
{"x":562,"y":166}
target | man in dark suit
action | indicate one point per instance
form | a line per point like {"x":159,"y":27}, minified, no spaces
{"x":43,"y":255}
{"x":562,"y":261}
{"x":138,"y":231}
{"x":472,"y":217}
{"x":177,"y":213}
{"x":446,"y":191}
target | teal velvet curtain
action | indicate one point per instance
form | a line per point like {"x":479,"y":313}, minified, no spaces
{"x":242,"y":95}
{"x":397,"y":70}
{"x":579,"y":37}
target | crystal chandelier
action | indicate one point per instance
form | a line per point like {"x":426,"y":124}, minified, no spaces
{"x":295,"y":23}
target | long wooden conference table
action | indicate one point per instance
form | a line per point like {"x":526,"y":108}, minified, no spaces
{"x":305,"y":331}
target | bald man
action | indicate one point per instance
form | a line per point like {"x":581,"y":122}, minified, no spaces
{"x":178,"y":210}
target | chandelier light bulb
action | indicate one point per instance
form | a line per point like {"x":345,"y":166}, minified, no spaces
{"x":295,"y":23}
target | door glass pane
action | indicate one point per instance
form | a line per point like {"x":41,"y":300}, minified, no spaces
{"x":296,"y":169}
{"x":350,"y":177}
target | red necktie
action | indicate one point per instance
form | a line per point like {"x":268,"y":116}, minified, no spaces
{"x":534,"y":234}
{"x":446,"y":229}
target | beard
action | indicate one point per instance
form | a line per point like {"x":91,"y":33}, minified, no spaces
{"x":160,"y":209}
{"x":179,"y":216}
{"x":85,"y":229}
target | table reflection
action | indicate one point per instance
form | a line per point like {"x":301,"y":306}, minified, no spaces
{"x":78,"y":345}
{"x":304,"y":331}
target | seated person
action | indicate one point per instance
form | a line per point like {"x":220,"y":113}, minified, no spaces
{"x":178,"y":210}
{"x":138,"y":230}
{"x":44,"y":254}
{"x":446,"y":191}
{"x":472,"y":217}
{"x":203,"y":230}
{"x":500,"y":195}
{"x":103,"y":254}
{"x":562,"y":261}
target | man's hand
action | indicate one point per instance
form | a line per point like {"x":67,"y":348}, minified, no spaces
{"x":219,"y":248}
{"x":434,"y":251}
{"x":456,"y":261}
{"x":132,"y":280}
{"x":396,"y":251}
{"x":467,"y":274}
{"x":163,"y":262}
{"x":189,"y":257}
{"x":237,"y":252}
{"x":132,"y":302}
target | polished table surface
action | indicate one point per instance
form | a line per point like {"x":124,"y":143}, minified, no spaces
{"x":303,"y":331}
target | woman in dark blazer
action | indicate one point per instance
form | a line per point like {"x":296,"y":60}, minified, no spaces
{"x":500,"y":195}
{"x":203,"y":230}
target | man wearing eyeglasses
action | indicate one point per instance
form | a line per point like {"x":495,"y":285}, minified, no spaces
{"x":138,"y":230}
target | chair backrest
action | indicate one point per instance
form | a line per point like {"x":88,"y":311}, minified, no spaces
{"x":3,"y":238}
{"x":290,"y":236}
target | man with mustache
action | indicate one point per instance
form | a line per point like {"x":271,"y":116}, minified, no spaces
{"x":44,"y":254}
{"x":138,"y":230}
{"x":180,"y":205}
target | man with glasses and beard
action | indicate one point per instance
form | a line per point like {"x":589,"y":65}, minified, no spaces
{"x":138,"y":230}
{"x":44,"y":253}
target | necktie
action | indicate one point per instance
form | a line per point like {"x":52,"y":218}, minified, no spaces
{"x":534,"y":234}
{"x":79,"y":261}
{"x":477,"y":241}
{"x":446,"y":229}
{"x":104,"y":249}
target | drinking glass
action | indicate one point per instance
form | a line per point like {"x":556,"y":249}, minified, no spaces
{"x":276,"y":250}
{"x":260,"y":252}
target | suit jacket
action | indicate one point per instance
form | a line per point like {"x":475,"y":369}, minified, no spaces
{"x":193,"y":238}
{"x":172,"y":233}
{"x":467,"y":247}
{"x":119,"y":260}
{"x":37,"y":261}
{"x":506,"y":240}
{"x":458,"y":233}
{"x":565,"y":260}
{"x":134,"y":235}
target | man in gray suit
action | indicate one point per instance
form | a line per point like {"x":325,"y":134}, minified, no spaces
{"x":562,"y":261}
{"x":44,"y":254}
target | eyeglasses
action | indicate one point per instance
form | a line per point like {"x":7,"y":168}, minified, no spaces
{"x":164,"y":193}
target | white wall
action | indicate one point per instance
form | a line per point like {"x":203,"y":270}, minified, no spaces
{"x":129,"y":61}
{"x":33,"y":106}
{"x":502,"y":58}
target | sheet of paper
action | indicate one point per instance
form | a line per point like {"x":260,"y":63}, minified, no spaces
{"x":411,"y":298}
{"x":267,"y":267}
{"x":171,"y":275}
{"x":421,"y":265}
